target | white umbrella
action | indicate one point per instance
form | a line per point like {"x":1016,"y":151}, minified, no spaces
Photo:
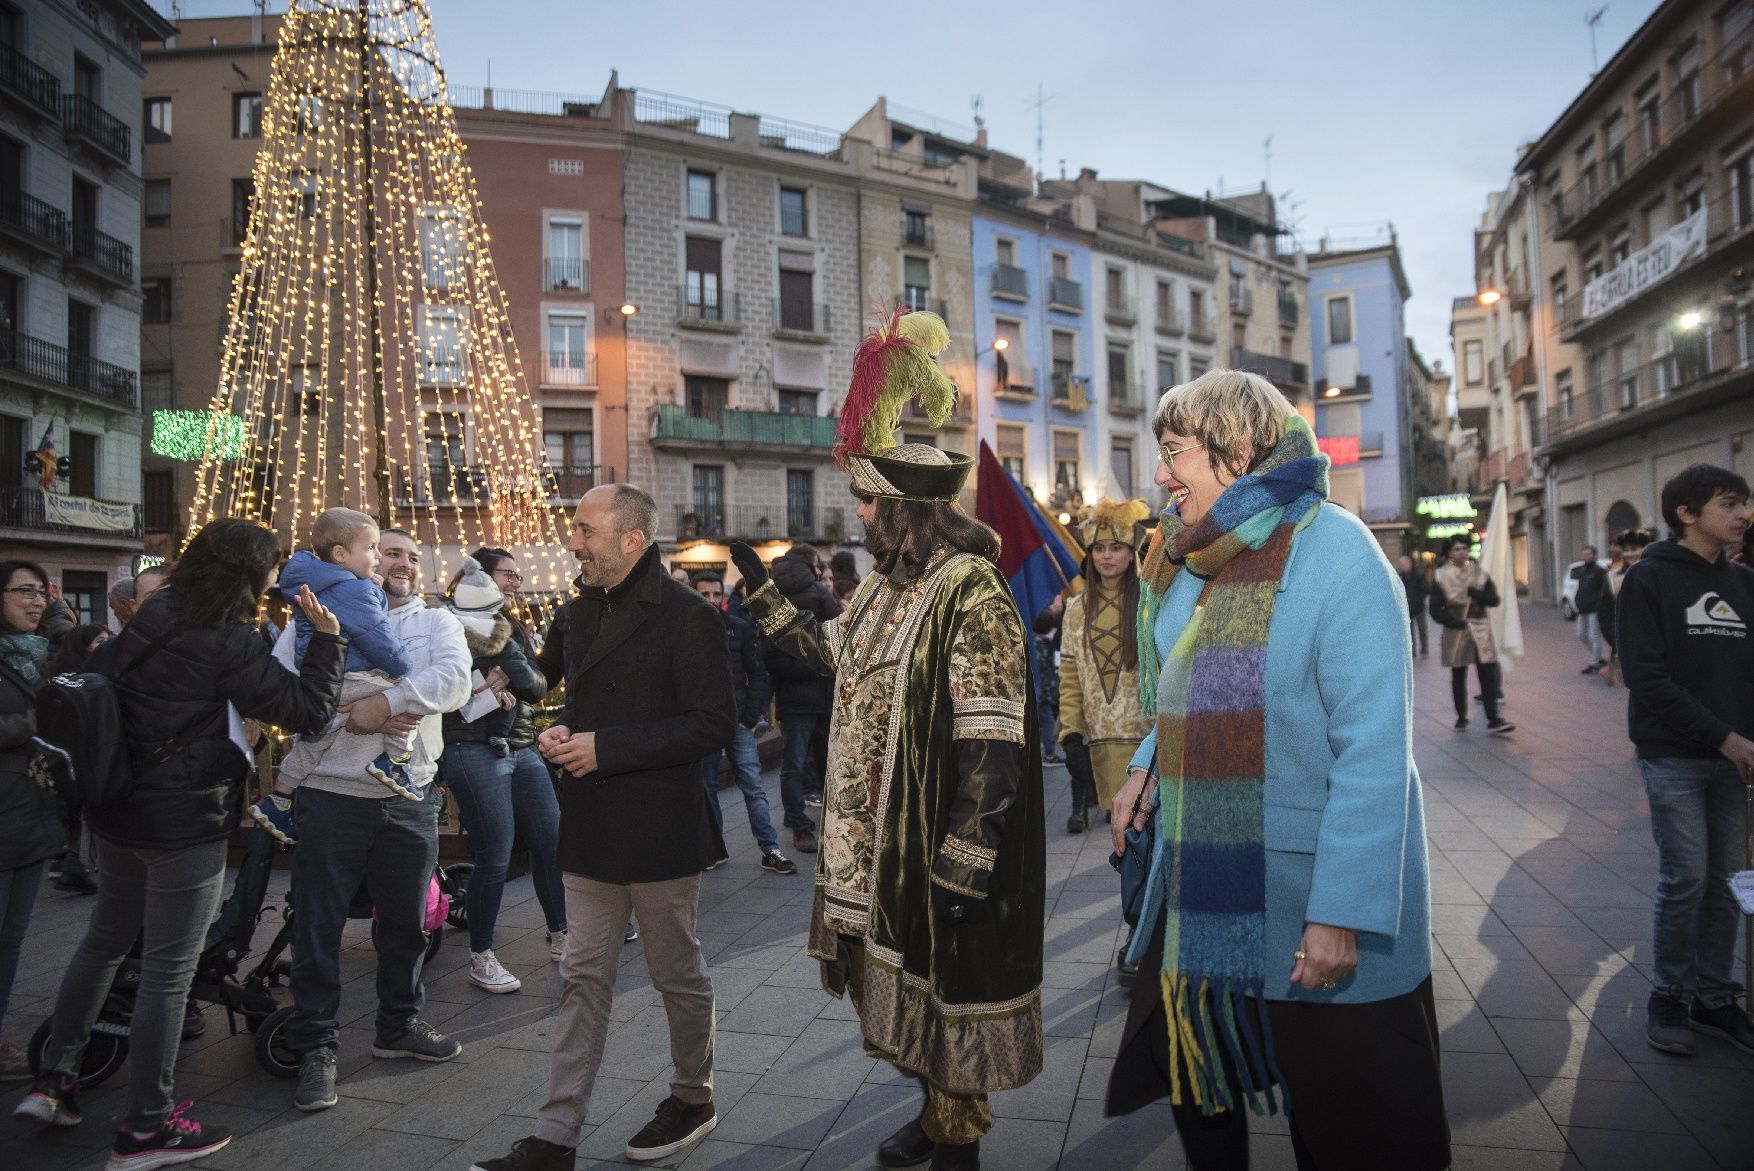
{"x":1507,"y":623}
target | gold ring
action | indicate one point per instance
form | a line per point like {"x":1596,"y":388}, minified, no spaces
{"x":1298,"y":954}
{"x":1327,"y":983}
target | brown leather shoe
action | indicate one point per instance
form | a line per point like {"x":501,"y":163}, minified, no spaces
{"x":804,"y":841}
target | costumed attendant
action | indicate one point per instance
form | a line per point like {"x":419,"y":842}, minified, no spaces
{"x":1461,"y":593}
{"x":931,"y":877}
{"x":1287,"y":906}
{"x":1101,"y":722}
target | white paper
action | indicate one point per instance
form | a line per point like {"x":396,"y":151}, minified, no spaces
{"x":234,"y":731}
{"x":480,"y":703}
{"x":1742,"y":886}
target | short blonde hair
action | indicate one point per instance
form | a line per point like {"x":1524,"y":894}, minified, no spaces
{"x":337,"y":526}
{"x":1227,"y":411}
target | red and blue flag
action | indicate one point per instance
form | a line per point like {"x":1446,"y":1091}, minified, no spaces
{"x":1037,"y":557}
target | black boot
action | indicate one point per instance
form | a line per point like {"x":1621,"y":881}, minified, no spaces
{"x":907,"y":1146}
{"x":962,"y":1157}
{"x":1079,"y":821}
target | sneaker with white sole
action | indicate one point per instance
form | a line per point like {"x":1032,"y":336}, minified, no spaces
{"x":275,"y":816}
{"x":392,"y":773}
{"x":1726,"y":1021}
{"x":180,"y":1140}
{"x":53,"y":1100}
{"x":418,"y":1040}
{"x":556,"y":945}
{"x":674,"y":1126}
{"x":485,"y":971}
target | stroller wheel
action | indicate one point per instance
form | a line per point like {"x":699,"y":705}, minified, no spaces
{"x":105,"y":1053}
{"x":272,"y":1052}
{"x":455,"y":880}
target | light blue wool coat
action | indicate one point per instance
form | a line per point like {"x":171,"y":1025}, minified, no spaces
{"x":1345,"y":821}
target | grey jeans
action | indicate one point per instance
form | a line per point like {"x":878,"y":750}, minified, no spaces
{"x":596,"y":920}
{"x":168,"y":897}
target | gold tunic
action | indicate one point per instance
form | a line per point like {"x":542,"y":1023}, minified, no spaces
{"x":1099,"y":697}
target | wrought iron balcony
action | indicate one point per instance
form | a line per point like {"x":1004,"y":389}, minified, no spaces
{"x":1201,"y":327}
{"x":921,"y":300}
{"x":917,"y":234}
{"x":89,"y":123}
{"x":1706,"y":364}
{"x":801,"y":317}
{"x":57,"y":366}
{"x":26,"y":508}
{"x":1011,"y":282}
{"x":1067,"y":294}
{"x":566,"y":274}
{"x":697,"y":310}
{"x":29,"y":84}
{"x":1119,"y":308}
{"x":568,"y":368}
{"x":1282,"y":371}
{"x":33,"y":223}
{"x":1289,"y":311}
{"x":103,"y":254}
{"x":1168,"y":320}
{"x":450,"y":485}
{"x":566,"y":485}
{"x":733,"y":428}
{"x":792,"y":520}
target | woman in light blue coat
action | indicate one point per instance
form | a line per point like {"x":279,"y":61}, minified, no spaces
{"x":1287,"y":909}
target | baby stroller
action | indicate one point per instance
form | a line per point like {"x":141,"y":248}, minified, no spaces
{"x":257,"y":996}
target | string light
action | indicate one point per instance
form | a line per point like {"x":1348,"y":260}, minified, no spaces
{"x":369,"y":341}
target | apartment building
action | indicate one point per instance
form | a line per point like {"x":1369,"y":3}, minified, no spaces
{"x":1643,"y":208}
{"x":70,"y":294}
{"x":1470,"y":426}
{"x":1428,"y":408}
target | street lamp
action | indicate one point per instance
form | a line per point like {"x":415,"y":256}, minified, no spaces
{"x":1692,"y":319}
{"x":1490,"y":297}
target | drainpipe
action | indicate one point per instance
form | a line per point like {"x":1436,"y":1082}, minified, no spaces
{"x":1538,"y":296}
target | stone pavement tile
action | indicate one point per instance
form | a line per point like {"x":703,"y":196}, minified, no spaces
{"x":1093,"y":1083}
{"x":478,"y":1094}
{"x":1463,"y":1028}
{"x":1083,"y":940}
{"x":731,"y":986}
{"x":1515,"y":988}
{"x":1018,"y":1144}
{"x":780,"y":1012}
{"x":1051,"y":1095}
{"x":391,"y":1150}
{"x":779,"y":1120}
{"x":1499,"y":1159}
{"x":494,"y":1016}
{"x":1451,"y":919}
{"x":1490,"y":1104}
{"x":1715,"y":1105}
{"x":1535,"y":911}
{"x":1446,"y":985}
{"x":800,"y":970}
{"x":1472,"y":948}
{"x":1603,"y":1105}
{"x":1623,"y":1150}
{"x":1069,"y":1012}
{"x":639,"y":1049}
{"x":1619,"y":922}
{"x":1567,"y":950}
{"x":394,"y":1081}
{"x":747,"y":1052}
{"x":1073,"y":974}
{"x":827,"y":1060}
{"x":875,"y":1113}
{"x":1086,"y":904}
{"x":291,"y":1139}
{"x":719,"y":1155}
{"x":1569,"y":1048}
{"x":1144,"y":1138}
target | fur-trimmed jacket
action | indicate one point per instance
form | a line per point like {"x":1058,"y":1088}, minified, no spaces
{"x":496,"y":649}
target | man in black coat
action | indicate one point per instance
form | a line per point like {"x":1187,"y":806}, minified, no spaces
{"x":803,"y":695}
{"x":648,"y":695}
{"x":1418,"y":592}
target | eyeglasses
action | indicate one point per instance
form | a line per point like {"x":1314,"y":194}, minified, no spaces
{"x":1168,"y":454}
{"x":27,"y":591}
{"x":509,"y":574}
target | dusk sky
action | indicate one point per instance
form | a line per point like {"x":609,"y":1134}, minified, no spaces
{"x":1379,"y":110}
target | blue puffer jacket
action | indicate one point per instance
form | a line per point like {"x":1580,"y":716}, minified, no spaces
{"x":361,"y":607}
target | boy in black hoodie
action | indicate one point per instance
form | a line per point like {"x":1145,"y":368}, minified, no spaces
{"x":1684,"y":615}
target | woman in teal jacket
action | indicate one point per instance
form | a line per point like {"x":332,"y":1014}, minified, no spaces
{"x":1287,"y":909}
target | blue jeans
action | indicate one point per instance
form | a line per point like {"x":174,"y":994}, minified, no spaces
{"x":389,"y":843}
{"x":18,"y":895}
{"x":499,"y":797}
{"x":1698,"y":814}
{"x":746,"y":768}
{"x":795,"y":774}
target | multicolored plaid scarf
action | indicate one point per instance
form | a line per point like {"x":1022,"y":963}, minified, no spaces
{"x":1210,"y":698}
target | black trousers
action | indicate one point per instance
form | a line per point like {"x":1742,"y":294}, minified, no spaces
{"x":1363,"y":1084}
{"x":1490,"y":685}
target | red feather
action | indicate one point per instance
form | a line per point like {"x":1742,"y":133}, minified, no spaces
{"x":865,"y":392}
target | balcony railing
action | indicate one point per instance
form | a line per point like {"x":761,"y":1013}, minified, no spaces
{"x":1242,"y":299}
{"x":961,"y":414}
{"x":1168,"y":320}
{"x":916,"y":300}
{"x":50,"y":363}
{"x":1126,"y":397}
{"x":1200,"y":327}
{"x":722,"y":309}
{"x":744,"y":428}
{"x":917,"y":234}
{"x":1064,"y":293}
{"x":566,"y":274}
{"x":25,"y":81}
{"x":1288,"y":310}
{"x":762,"y":521}
{"x":442,"y":484}
{"x":37,"y":223}
{"x":568,"y":368}
{"x":1010,"y":281}
{"x":1271,"y":367}
{"x":1014,"y":376}
{"x":566,"y":485}
{"x":1701,"y":359}
{"x":801,"y":317}
{"x":26,"y":508}
{"x":90,"y":123}
{"x":1069,"y":391}
{"x":103,"y":254}
{"x":1119,"y":308}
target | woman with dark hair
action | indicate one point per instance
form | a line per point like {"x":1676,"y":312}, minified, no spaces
{"x":77,"y":646}
{"x":846,"y":574}
{"x":31,"y":830}
{"x":181,"y":668}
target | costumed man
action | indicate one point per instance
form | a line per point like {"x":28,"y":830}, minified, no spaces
{"x":1101,"y":722}
{"x":931,"y":877}
{"x":1461,"y":594}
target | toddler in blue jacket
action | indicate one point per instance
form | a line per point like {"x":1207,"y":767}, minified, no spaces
{"x":339,"y":567}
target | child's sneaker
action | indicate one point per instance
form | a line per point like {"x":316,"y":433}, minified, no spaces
{"x":179,"y":1140}
{"x":275,"y":816}
{"x":392,"y":772}
{"x":53,"y":1099}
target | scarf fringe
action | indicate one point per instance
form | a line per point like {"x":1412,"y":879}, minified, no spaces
{"x":1197,"y":1040}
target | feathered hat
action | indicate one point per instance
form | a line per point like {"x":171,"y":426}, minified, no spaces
{"x":1110,"y":520}
{"x":894,"y":363}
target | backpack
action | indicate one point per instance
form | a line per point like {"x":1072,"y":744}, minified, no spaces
{"x":82,"y":748}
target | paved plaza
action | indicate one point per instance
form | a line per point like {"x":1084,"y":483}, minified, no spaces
{"x":1542,"y":869}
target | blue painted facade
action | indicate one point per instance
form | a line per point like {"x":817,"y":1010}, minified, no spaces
{"x":1033,"y":250}
{"x":1378,"y":291}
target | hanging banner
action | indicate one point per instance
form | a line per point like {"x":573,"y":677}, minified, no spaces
{"x":82,"y":512}
{"x":1650,"y":265}
{"x":1340,"y":449}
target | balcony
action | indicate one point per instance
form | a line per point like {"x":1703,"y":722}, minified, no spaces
{"x":1168,"y":320}
{"x":102,"y":255}
{"x":1127,"y":398}
{"x":807,"y":320}
{"x":917,"y":233}
{"x":1289,"y":310}
{"x":778,"y":520}
{"x":566,"y":274}
{"x":31,"y":222}
{"x":1119,"y":309}
{"x":1201,"y":327}
{"x":446,"y":485}
{"x":1242,"y":299}
{"x":89,"y":124}
{"x":569,"y":368}
{"x":28,"y":84}
{"x":921,"y":301}
{"x":1707,"y":367}
{"x":56,"y":367}
{"x":1014,"y":377}
{"x":1279,"y":371}
{"x":1069,"y":391}
{"x":567,"y":485}
{"x":1010,"y":282}
{"x":961,"y":414}
{"x":722,"y":312}
{"x":673,"y":426}
{"x":32,"y":509}
{"x":1065,"y":294}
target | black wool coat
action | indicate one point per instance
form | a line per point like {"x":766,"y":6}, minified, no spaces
{"x":648,"y":672}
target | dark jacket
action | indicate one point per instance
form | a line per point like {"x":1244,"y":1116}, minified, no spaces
{"x":501,"y":650}
{"x":800,"y":688}
{"x":30,"y":817}
{"x":1592,"y":583}
{"x":647,"y":671}
{"x":750,"y":685}
{"x":186,"y":796}
{"x":1417,"y":589}
{"x":523,"y":730}
{"x":1686,"y":651}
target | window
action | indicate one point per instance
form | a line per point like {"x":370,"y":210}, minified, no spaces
{"x":1165,"y":303}
{"x":1619,"y":244}
{"x":1586,"y":172}
{"x":568,"y":440}
{"x":158,"y":500}
{"x":81,"y":327}
{"x":797,"y":292}
{"x":916,"y":282}
{"x":565,"y":262}
{"x":1005,"y":252}
{"x":797,"y":402}
{"x":1614,"y":132}
{"x":1196,"y":311}
{"x":1197,"y":366}
{"x":1656,"y":219}
{"x":1064,"y":351}
{"x":84,"y":591}
{"x":1068,"y":483}
{"x":800,"y":502}
{"x":304,"y":191}
{"x":707,"y":397}
{"x":447,"y":461}
{"x":308,"y":114}
{"x":246,"y":115}
{"x":1013,"y":441}
{"x":1168,"y":363}
{"x":1734,"y":22}
{"x":156,"y":118}
{"x":1741,"y":180}
{"x":703,"y":195}
{"x":568,"y":346}
{"x":1120,"y":375}
{"x":1687,"y":91}
{"x":916,"y":228}
{"x":1649,"y":100}
{"x":1339,"y":321}
{"x":794,"y":212}
{"x":1592,"y":267}
{"x":1010,"y":368}
{"x":82,"y":479}
{"x":12,"y":449}
{"x":1690,"y":201}
{"x":155,"y":309}
{"x":157,"y":390}
{"x":701,"y":293}
{"x":157,"y":204}
{"x":1561,"y":311}
{"x":936,"y":154}
{"x":1115,"y":280}
{"x":1562,"y":391}
{"x":708,"y":499}
{"x":1120,"y":462}
{"x":441,"y":247}
{"x":243,"y":193}
{"x":442,"y":357}
{"x":1061,"y":265}
{"x":1473,"y":363}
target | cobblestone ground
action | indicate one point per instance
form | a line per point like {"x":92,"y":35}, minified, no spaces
{"x":1542,"y":869}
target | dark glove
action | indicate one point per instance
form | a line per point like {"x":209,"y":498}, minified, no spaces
{"x":1078,"y":760}
{"x":1072,"y":738}
{"x":749,"y":565}
{"x":954,"y":908}
{"x":1478,"y":594}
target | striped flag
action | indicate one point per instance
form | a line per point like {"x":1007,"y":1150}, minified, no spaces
{"x":1038,"y":557}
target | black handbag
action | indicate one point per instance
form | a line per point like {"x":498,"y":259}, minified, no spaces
{"x":1133,"y":864}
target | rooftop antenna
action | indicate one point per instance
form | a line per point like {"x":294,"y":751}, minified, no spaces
{"x":976,"y":105}
{"x":1267,"y":154}
{"x":1594,"y":21}
{"x":1041,"y":100}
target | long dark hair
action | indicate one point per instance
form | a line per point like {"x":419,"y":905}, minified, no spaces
{"x":76,"y":647}
{"x":224,"y":571}
{"x":1128,"y":600}
{"x":904,"y":533}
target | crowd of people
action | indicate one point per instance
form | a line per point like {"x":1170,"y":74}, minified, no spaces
{"x":1204,"y":687}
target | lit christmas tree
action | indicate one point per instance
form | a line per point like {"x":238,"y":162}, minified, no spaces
{"x":369,"y":359}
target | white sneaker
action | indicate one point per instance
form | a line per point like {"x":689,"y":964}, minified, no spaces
{"x":556,"y":945}
{"x":485,"y":971}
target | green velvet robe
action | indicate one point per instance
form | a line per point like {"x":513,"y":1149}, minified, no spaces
{"x":928,"y":673}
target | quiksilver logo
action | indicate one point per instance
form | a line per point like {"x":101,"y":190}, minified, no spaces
{"x":1712,"y":611}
